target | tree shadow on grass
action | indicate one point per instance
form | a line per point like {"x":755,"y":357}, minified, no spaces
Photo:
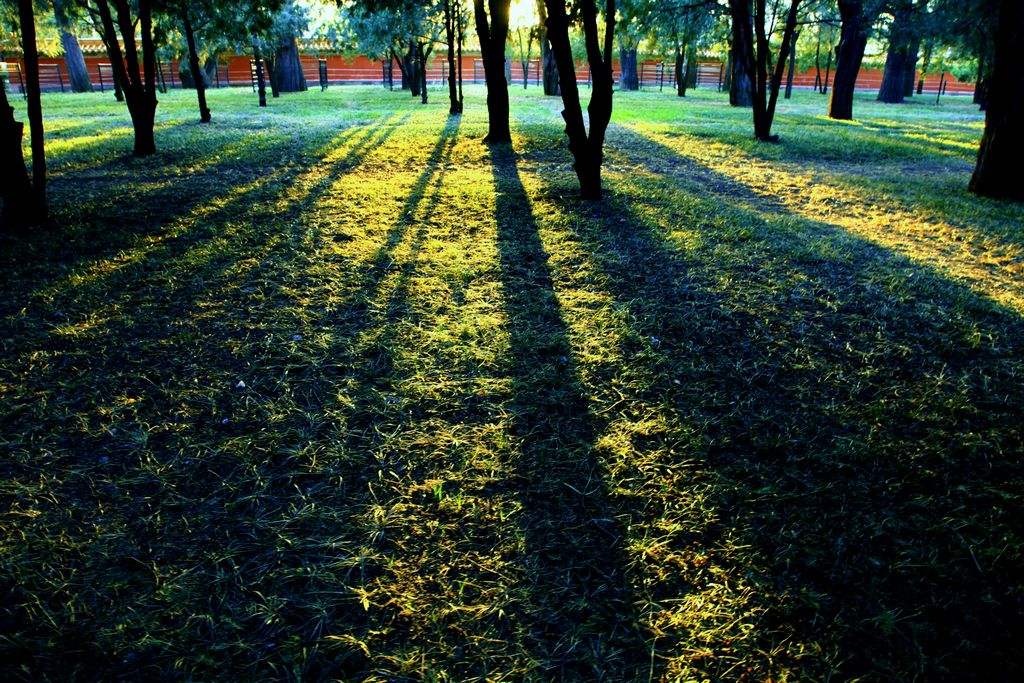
{"x":860,"y":435}
{"x":581,"y":619}
{"x":122,"y":418}
{"x":119,"y":211}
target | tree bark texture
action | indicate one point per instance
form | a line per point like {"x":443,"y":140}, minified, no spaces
{"x":853,"y":38}
{"x":288,"y":67}
{"x":741,"y":82}
{"x":74,"y":61}
{"x":997,"y":173}
{"x":492,"y":30}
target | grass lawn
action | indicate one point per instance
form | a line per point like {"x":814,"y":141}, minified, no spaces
{"x":331,"y":391}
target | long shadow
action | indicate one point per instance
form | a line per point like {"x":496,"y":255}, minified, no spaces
{"x":581,"y":617}
{"x":854,"y":436}
{"x":161,"y":344}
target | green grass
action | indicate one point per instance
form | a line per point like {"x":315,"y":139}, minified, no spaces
{"x":331,"y":391}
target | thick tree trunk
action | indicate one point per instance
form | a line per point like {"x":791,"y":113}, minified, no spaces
{"x":853,"y":38}
{"x":74,"y":61}
{"x":628,"y":77}
{"x":741,"y":83}
{"x":893,"y":89}
{"x":16,"y":189}
{"x":997,"y":173}
{"x":492,"y":30}
{"x":198,"y":77}
{"x":288,"y":67}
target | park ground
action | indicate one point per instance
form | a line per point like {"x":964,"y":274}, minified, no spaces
{"x":332,"y":391}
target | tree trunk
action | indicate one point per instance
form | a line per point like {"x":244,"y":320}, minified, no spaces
{"x":792,"y":67}
{"x":853,"y":38}
{"x":628,"y":77}
{"x":27,"y":19}
{"x":548,"y":68}
{"x":981,"y":86}
{"x":492,"y":31}
{"x":288,"y":67}
{"x":741,"y":84}
{"x":752,"y":48}
{"x":997,"y":173}
{"x":910,"y":72}
{"x":261,"y":77}
{"x":421,"y":59}
{"x":197,"y":74}
{"x":893,"y":89}
{"x":74,"y":62}
{"x":139,"y":85}
{"x":680,"y":71}
{"x":587,"y":149}
{"x":455,"y":104}
{"x":16,"y":189}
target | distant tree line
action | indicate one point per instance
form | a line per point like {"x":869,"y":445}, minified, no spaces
{"x":761,"y":38}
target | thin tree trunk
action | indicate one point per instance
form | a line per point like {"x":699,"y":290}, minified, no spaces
{"x":910,"y":72}
{"x":792,"y":67}
{"x":261,"y":77}
{"x":997,"y":173}
{"x":74,"y":62}
{"x":27,"y":19}
{"x":455,"y":105}
{"x":680,"y":71}
{"x":197,"y":73}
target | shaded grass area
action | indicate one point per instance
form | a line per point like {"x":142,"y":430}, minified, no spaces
{"x":330,"y":391}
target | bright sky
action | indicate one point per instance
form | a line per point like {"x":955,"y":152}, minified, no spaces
{"x":523,"y":14}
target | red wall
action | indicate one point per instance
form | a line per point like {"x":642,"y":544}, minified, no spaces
{"x":235,"y":71}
